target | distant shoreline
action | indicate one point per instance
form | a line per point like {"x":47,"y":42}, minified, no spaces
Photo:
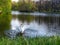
{"x":36,"y":13}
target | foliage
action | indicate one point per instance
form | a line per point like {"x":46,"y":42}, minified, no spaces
{"x":5,"y":14}
{"x":14,"y":6}
{"x":48,"y":6}
{"x":27,"y":7}
{"x":24,"y":7}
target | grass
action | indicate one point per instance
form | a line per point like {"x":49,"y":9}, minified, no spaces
{"x":55,"y":40}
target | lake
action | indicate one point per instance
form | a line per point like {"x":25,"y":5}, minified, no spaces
{"x":36,"y":24}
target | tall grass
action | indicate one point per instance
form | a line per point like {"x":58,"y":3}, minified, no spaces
{"x":55,"y":40}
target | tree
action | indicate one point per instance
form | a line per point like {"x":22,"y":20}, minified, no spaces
{"x":5,"y":15}
{"x":14,"y":6}
{"x":26,"y":6}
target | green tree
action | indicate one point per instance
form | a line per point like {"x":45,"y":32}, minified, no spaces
{"x":5,"y":15}
{"x":14,"y":6}
{"x":26,"y":6}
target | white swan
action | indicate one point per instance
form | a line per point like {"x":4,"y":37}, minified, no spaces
{"x":12,"y":33}
{"x":23,"y":27}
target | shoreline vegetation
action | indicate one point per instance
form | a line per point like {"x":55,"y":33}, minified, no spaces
{"x":26,"y":6}
{"x":5,"y":15}
{"x":54,"y":40}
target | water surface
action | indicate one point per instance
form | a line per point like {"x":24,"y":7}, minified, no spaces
{"x":36,"y":24}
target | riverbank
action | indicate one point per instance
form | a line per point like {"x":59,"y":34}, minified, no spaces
{"x":36,"y":13}
{"x":51,"y":12}
{"x":55,"y":40}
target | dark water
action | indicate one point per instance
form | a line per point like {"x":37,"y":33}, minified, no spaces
{"x":36,"y":24}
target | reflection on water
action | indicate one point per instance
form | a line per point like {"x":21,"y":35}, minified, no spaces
{"x":37,"y":25}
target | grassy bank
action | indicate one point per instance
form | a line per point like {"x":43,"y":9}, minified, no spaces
{"x":55,"y":40}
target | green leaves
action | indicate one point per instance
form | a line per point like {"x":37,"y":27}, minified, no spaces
{"x":5,"y":16}
{"x":27,"y":7}
{"x":24,"y":6}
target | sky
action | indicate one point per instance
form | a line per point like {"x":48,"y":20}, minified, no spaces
{"x":17,"y":0}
